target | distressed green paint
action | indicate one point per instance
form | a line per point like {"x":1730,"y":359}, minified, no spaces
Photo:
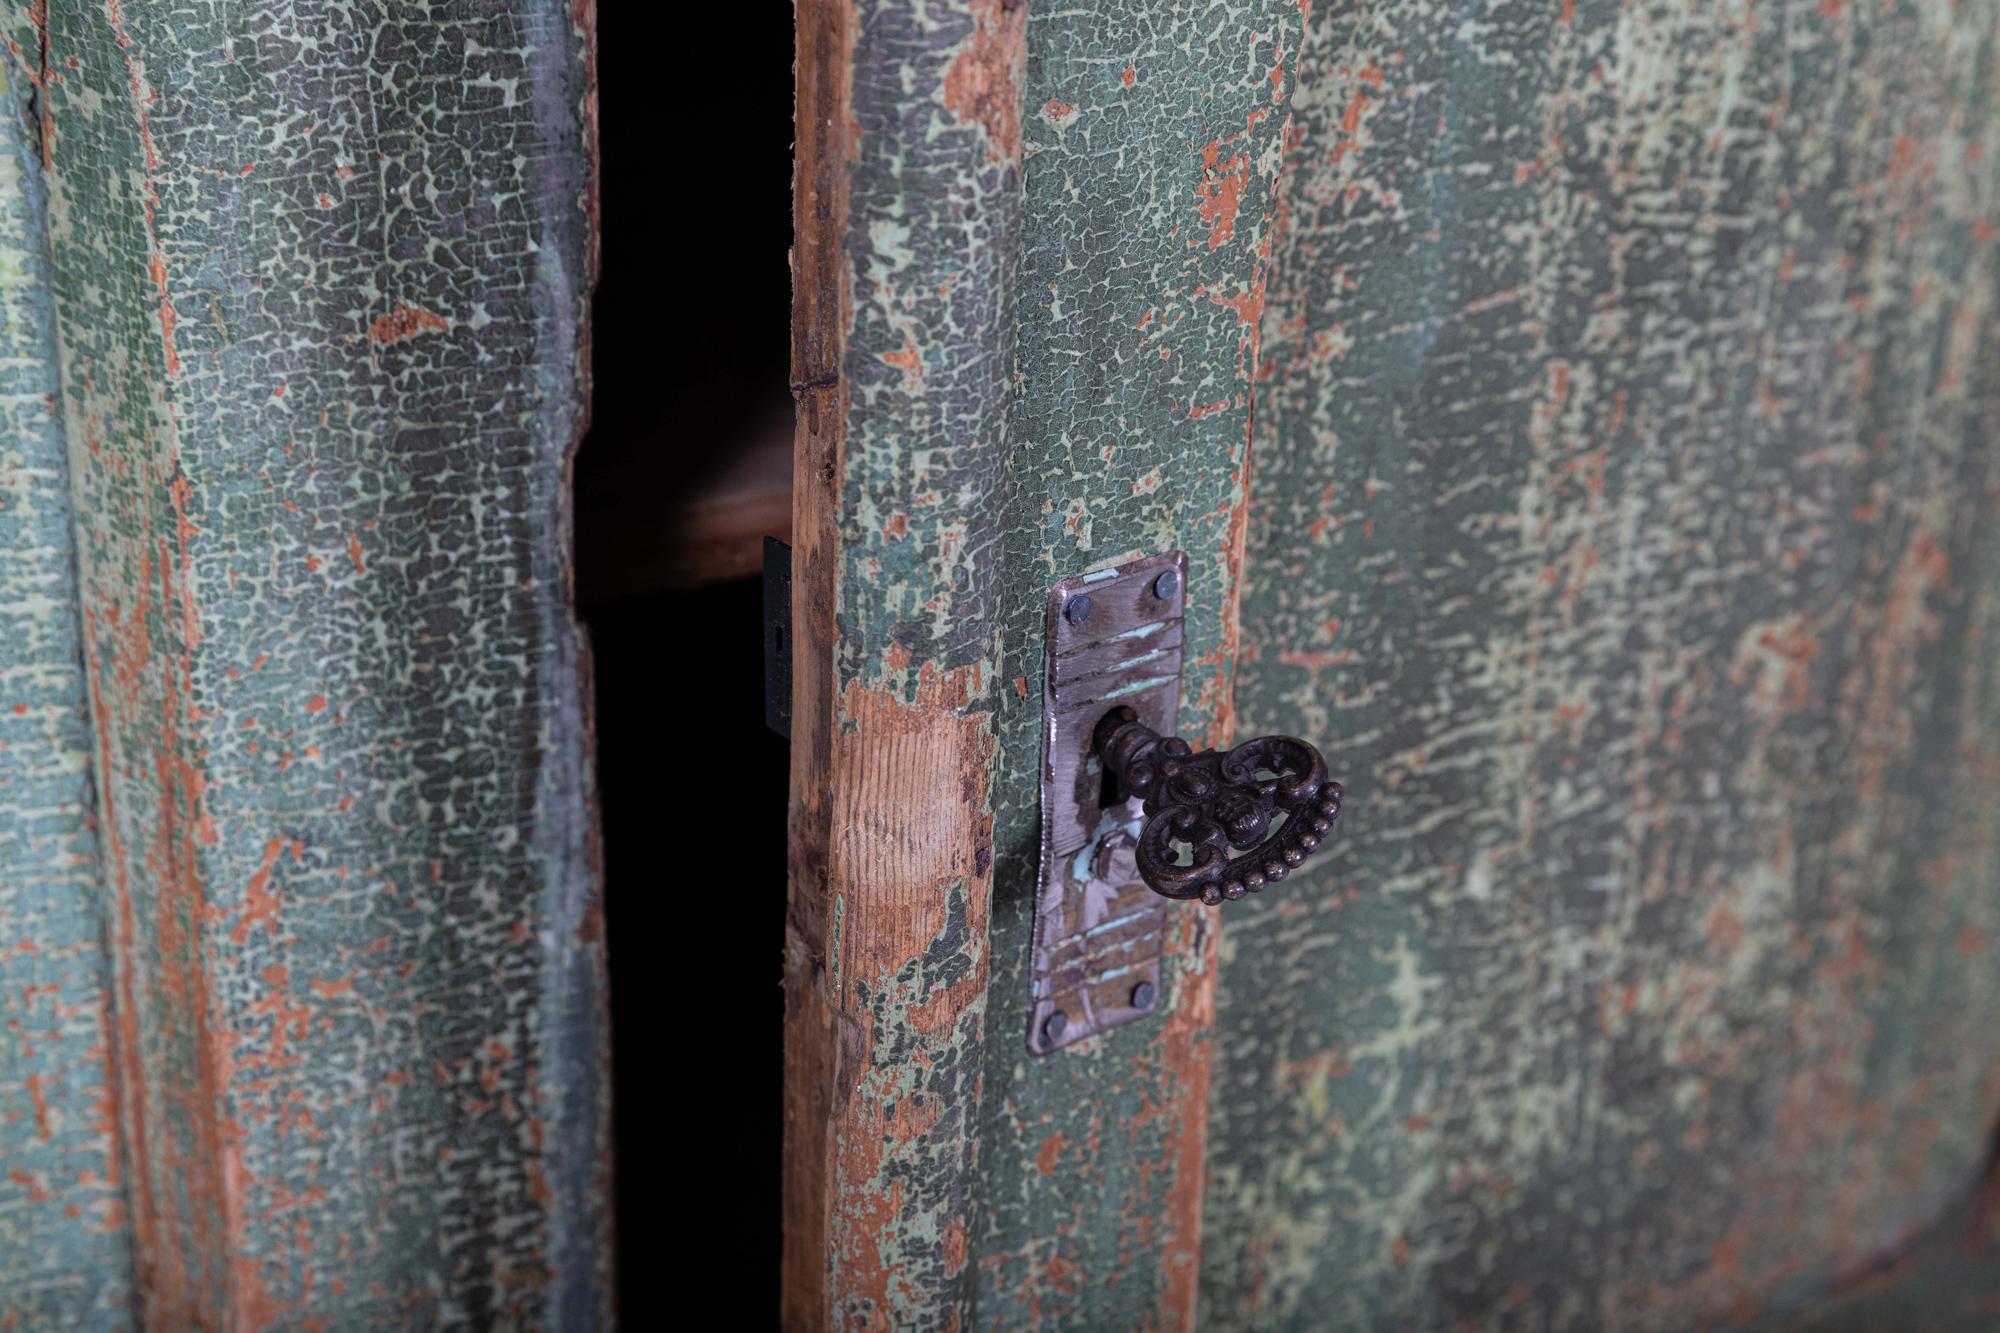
{"x":931,"y":240}
{"x":1154,"y":134}
{"x":320,"y":274}
{"x":1623,"y":515}
{"x":925,"y":362}
{"x":65,"y":1256}
{"x":1023,"y":406}
{"x":1608,"y":388}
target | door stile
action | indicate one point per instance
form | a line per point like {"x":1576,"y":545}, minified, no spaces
{"x":318,"y":452}
{"x":954,"y":462}
{"x":1154,"y":139}
{"x":906,"y":211}
{"x":819,"y":209}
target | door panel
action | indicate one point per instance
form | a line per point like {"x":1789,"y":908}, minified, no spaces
{"x":1576,"y":418}
{"x":1153,"y":135}
{"x":320,"y":285}
{"x":906,"y":211}
{"x":65,"y":1235}
{"x":1623,"y":513}
{"x":946,"y":480}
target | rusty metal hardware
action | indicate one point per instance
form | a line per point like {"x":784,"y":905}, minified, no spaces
{"x":1269,"y":799}
{"x":1131,"y":816}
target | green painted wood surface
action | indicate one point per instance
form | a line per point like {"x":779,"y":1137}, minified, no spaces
{"x":967,"y":1185}
{"x":1591,"y":406}
{"x":1624,"y":515}
{"x":65,"y":1256}
{"x":1153,"y":137}
{"x":320,"y":275}
{"x":902,"y":361}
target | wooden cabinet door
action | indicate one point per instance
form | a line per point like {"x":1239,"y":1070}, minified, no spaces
{"x":1579,"y":419}
{"x":302,"y":977}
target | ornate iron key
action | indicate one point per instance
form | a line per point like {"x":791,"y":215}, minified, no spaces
{"x":1203,"y":805}
{"x":1131,"y":815}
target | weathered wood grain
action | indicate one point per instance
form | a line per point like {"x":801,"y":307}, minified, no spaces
{"x":819,"y":208}
{"x":906,"y":201}
{"x":1623,"y":516}
{"x":320,"y":277}
{"x":65,"y":1243}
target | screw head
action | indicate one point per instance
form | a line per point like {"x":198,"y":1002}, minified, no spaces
{"x":1055,"y":1025}
{"x":1077,"y":609}
{"x":1165,"y":586}
{"x":1143,"y":995}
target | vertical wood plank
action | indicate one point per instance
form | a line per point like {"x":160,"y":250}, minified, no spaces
{"x":819,"y":211}
{"x":906,"y":205}
{"x":320,"y":281}
{"x":65,"y":1239}
{"x":939,"y":1176}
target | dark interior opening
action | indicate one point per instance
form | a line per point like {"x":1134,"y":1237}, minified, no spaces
{"x":685,"y":469}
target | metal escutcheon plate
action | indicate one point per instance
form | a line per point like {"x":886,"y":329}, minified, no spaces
{"x":1114,"y":637}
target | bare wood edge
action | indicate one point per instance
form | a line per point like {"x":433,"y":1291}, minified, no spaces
{"x":821,"y":116}
{"x":882,"y":873}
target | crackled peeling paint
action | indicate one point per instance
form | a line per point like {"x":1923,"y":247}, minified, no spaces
{"x":319,"y":285}
{"x":903,"y":364}
{"x":1151,"y":178}
{"x":1576,"y":417}
{"x":65,"y":1251}
{"x":1622,"y":515}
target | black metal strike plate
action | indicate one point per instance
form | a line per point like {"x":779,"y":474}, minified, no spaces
{"x":778,"y":637}
{"x":1113,"y":637}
